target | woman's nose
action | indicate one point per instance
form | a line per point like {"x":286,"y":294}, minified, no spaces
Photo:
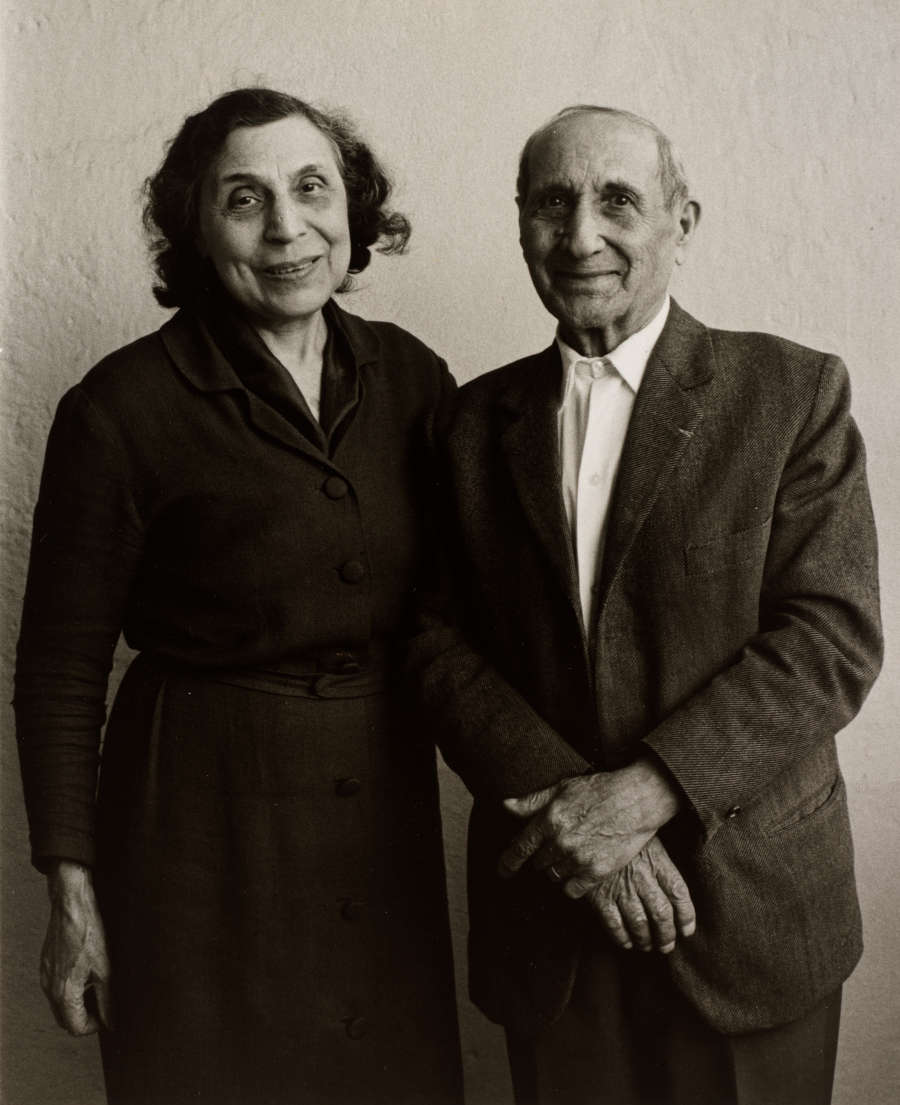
{"x":285,"y":221}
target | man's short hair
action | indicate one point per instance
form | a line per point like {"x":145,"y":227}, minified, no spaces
{"x":671,"y":171}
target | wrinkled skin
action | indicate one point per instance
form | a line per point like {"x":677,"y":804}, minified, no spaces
{"x":596,"y":836}
{"x":74,"y":958}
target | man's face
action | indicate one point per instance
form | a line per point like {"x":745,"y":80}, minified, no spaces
{"x":595,"y":231}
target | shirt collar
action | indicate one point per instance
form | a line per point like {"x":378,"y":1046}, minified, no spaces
{"x":629,"y":358}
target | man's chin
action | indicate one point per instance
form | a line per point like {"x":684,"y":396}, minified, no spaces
{"x":583,"y":312}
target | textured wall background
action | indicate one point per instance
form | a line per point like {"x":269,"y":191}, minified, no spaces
{"x":786,"y":113}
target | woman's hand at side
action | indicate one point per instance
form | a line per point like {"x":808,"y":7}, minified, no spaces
{"x":74,"y":957}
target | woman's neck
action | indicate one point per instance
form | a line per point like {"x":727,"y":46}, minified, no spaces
{"x":298,"y":345}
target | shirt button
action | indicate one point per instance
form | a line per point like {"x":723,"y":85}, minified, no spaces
{"x":357,"y":1027}
{"x":335,"y":488}
{"x":352,"y":571}
{"x":346,"y":788}
{"x":595,"y":479}
{"x":733,"y":812}
{"x":352,"y":911}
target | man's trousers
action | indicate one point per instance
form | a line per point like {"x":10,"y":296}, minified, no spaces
{"x":629,"y":1038}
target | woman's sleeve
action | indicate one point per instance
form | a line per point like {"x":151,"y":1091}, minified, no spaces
{"x":85,"y":548}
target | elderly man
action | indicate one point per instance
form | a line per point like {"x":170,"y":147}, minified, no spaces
{"x":665,"y":608}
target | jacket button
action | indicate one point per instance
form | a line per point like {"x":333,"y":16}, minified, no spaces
{"x":346,"y":788}
{"x":346,"y":663}
{"x":335,"y":488}
{"x":352,"y":571}
{"x":357,"y":1027}
{"x":352,"y":911}
{"x":734,"y":811}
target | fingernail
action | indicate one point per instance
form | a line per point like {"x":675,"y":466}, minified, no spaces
{"x":666,"y":948}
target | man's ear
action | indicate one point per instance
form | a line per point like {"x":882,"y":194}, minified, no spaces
{"x":687,"y":222}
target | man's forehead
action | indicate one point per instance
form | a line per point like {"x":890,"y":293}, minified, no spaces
{"x":595,"y":144}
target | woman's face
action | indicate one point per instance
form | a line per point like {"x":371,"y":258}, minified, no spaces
{"x":273,"y":220}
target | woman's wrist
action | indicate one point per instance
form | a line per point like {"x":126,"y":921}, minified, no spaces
{"x":66,"y":878}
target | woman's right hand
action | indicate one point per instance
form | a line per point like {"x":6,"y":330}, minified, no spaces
{"x":74,"y":957}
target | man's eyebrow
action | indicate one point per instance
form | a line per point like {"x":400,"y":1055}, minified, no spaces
{"x":563,"y":186}
{"x":620,"y":185}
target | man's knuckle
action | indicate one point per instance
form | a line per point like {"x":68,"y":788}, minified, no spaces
{"x":520,"y":849}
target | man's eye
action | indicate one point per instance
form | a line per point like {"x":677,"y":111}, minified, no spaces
{"x":553,"y":203}
{"x":620,"y":199}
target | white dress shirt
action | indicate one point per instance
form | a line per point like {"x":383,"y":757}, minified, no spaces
{"x":598,"y":395}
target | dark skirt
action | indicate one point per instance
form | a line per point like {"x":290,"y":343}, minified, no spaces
{"x":272,"y":882}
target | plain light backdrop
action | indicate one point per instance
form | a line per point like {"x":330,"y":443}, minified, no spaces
{"x":785,"y":111}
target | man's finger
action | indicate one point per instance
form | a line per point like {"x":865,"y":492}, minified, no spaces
{"x":529,"y":804}
{"x":520,"y":849}
{"x":661,"y":917}
{"x":611,"y":918}
{"x":676,"y":889}
{"x":636,"y":922}
{"x":685,"y":916}
{"x":548,"y":856}
{"x":578,"y":886}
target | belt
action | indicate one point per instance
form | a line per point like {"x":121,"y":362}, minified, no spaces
{"x":374,"y":678}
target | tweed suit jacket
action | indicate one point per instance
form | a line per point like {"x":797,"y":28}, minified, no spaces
{"x":737,"y":631}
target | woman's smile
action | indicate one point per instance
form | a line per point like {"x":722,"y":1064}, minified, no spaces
{"x":273,"y":222}
{"x":290,"y":270}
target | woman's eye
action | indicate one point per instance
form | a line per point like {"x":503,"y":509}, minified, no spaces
{"x":243,"y":201}
{"x":312,"y":185}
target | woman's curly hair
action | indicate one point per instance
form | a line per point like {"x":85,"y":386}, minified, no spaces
{"x":172,"y":207}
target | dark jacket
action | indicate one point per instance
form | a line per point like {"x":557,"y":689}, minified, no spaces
{"x":737,"y":630}
{"x":179,"y":504}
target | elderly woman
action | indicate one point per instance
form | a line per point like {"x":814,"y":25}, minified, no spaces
{"x":243,"y":493}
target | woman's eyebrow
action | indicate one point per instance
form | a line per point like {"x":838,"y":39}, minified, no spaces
{"x":251,"y":174}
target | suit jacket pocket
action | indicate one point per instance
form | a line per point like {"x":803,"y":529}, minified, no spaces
{"x":728,"y":550}
{"x":778,"y":922}
{"x":816,"y":803}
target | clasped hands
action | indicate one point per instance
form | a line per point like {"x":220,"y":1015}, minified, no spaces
{"x":595,"y":835}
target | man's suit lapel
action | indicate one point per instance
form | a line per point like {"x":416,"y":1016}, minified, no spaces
{"x":668,"y":411}
{"x":667,"y":414}
{"x":529,"y":442}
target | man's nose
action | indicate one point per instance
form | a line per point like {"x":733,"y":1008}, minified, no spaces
{"x":584,"y":233}
{"x":286,"y":220}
